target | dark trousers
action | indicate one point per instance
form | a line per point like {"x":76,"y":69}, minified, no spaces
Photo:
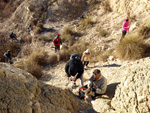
{"x":123,"y":34}
{"x":57,"y":48}
{"x":86,"y":63}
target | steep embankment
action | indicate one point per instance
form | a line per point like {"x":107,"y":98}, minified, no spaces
{"x":127,"y":90}
{"x":23,"y":93}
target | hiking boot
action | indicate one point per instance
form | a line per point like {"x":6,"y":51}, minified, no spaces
{"x":73,"y":85}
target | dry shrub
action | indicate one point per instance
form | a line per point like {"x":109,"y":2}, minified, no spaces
{"x":145,"y":29}
{"x":85,"y":23}
{"x":37,"y":30}
{"x":68,"y":35}
{"x":132,"y":47}
{"x":100,"y":56}
{"x":52,"y":59}
{"x":45,"y":38}
{"x":102,"y":33}
{"x":36,"y":61}
{"x":40,"y":25}
{"x":26,"y":50}
{"x":76,"y":48}
{"x":40,"y":57}
{"x":64,"y":55}
{"x":33,"y":68}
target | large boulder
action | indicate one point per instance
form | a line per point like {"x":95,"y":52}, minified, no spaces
{"x":20,"y":92}
{"x":133,"y":94}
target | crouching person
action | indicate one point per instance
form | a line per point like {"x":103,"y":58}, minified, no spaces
{"x":96,"y":85}
{"x":75,"y":69}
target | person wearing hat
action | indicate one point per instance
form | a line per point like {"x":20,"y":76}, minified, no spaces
{"x":86,"y":57}
{"x":57,"y":42}
{"x":8,"y":56}
{"x":74,"y":69}
{"x":97,"y":84}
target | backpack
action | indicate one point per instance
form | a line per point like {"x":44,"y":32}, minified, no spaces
{"x":56,"y":41}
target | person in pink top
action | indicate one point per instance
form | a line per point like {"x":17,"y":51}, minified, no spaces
{"x":125,"y":28}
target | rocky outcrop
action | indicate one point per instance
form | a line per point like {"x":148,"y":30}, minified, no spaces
{"x":133,"y":94}
{"x":20,"y":92}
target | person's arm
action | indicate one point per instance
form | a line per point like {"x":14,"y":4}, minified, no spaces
{"x":5,"y":54}
{"x":82,"y":58}
{"x":81,"y":70}
{"x":60,"y":41}
{"x":90,"y":56}
{"x":66,"y":69}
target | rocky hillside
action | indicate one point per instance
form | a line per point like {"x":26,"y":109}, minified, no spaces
{"x":128,"y":81}
{"x":23,"y":93}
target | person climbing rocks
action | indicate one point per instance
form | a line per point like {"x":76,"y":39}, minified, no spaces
{"x":13,"y":36}
{"x":29,"y":28}
{"x":125,"y":28}
{"x":75,"y":69}
{"x":57,"y":42}
{"x":8,"y":56}
{"x":96,"y":85}
{"x":86,"y":57}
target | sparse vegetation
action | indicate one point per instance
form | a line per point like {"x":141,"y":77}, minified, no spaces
{"x":102,"y":33}
{"x":36,"y":61}
{"x":68,"y":35}
{"x":45,"y":38}
{"x":85,"y":23}
{"x":145,"y":30}
{"x":132,"y":47}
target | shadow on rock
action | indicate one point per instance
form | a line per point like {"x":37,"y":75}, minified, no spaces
{"x":49,"y":30}
{"x":110,"y":92}
{"x":111,"y":65}
{"x":47,"y":77}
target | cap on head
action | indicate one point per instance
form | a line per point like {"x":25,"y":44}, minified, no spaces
{"x":58,"y":34}
{"x":8,"y":50}
{"x":96,"y":71}
{"x":87,"y":51}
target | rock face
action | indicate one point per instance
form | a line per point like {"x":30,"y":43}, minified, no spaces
{"x":20,"y":92}
{"x":133,"y":94}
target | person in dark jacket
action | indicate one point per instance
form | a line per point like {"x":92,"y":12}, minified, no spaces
{"x":13,"y":36}
{"x":8,"y":56}
{"x":75,"y":69}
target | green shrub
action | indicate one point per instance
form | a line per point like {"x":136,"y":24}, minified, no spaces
{"x":132,"y":47}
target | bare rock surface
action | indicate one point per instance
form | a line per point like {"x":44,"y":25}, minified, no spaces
{"x":20,"y":92}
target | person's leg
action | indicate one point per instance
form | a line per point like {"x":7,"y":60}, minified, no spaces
{"x":55,"y":49}
{"x":84,"y":63}
{"x":123,"y":35}
{"x":87,"y":63}
{"x":81,"y":80}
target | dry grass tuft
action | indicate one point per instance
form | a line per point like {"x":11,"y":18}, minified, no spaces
{"x":145,"y":30}
{"x":76,"y":48}
{"x":68,"y":35}
{"x":102,"y":33}
{"x":131,"y":48}
{"x":85,"y":23}
{"x":36,"y":61}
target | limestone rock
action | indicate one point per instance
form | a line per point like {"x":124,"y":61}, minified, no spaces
{"x":133,"y":94}
{"x":20,"y":92}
